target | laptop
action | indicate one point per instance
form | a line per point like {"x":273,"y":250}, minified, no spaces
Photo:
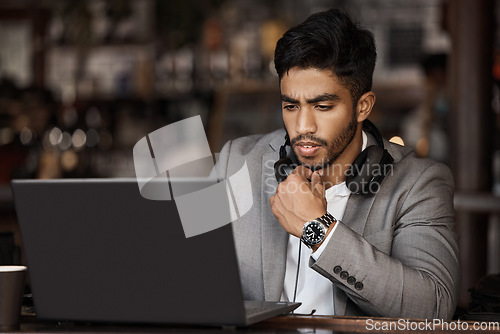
{"x":97,"y":251}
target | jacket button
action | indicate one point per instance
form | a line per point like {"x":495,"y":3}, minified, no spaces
{"x":337,"y":269}
{"x":351,"y":280}
{"x":359,"y":286}
{"x":344,"y":275}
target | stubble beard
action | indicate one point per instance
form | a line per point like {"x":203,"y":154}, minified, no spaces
{"x":335,"y":148}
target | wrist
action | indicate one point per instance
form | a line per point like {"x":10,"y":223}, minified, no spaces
{"x":330,"y":229}
{"x":316,"y":230}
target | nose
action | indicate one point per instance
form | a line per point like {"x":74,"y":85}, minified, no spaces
{"x":306,"y":123}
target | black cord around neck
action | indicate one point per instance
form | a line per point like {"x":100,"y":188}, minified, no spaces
{"x":297,"y":281}
{"x":297,"y":274}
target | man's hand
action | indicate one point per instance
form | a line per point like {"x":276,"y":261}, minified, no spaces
{"x":298,"y":201}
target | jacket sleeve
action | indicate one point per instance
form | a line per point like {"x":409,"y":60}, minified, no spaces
{"x":417,"y":276}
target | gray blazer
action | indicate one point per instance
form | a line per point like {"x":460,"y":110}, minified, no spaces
{"x":394,"y":254}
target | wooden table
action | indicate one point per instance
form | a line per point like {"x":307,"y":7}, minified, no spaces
{"x":282,"y":324}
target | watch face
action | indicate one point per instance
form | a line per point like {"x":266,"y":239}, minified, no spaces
{"x":314,"y":232}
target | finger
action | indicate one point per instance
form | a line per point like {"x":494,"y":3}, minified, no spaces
{"x":315,"y":179}
{"x":272,"y":200}
{"x":319,"y":190}
{"x":303,"y":171}
{"x":283,"y":186}
{"x":276,"y":202}
{"x":277,"y":207}
{"x":321,"y":172}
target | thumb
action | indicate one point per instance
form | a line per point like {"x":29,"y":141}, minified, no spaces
{"x":316,"y":185}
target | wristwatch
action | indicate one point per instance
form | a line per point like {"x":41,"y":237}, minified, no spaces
{"x":314,"y":231}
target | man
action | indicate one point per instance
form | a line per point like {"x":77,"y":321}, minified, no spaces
{"x":392,"y":252}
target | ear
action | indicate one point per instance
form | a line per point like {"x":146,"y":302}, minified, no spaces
{"x":365,"y":105}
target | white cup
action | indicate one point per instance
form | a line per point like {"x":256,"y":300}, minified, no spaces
{"x":12,"y":284}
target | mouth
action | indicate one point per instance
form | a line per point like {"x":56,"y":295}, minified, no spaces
{"x":307,"y":149}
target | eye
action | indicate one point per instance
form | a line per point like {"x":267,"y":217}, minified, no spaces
{"x":290,"y":107}
{"x":322,"y":107}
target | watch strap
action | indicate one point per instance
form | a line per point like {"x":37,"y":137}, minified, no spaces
{"x":327,"y":219}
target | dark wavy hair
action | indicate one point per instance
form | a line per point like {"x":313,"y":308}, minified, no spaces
{"x":330,"y":40}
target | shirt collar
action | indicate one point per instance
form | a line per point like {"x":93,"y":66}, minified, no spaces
{"x":339,"y":190}
{"x":365,"y":141}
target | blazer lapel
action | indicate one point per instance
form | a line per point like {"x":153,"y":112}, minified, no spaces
{"x":274,"y":237}
{"x":356,"y":212}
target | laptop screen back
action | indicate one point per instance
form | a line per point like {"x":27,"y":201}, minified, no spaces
{"x":97,"y":251}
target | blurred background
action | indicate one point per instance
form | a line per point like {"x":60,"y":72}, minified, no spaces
{"x":82,"y":81}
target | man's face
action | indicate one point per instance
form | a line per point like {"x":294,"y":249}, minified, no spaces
{"x":319,"y":115}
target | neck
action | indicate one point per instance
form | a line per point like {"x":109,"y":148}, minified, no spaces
{"x":336,"y":172}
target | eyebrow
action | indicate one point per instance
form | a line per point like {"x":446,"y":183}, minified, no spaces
{"x":316,"y":99}
{"x":323,"y":98}
{"x":286,"y":98}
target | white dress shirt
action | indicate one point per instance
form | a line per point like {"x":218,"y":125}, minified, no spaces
{"x":314,"y":291}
